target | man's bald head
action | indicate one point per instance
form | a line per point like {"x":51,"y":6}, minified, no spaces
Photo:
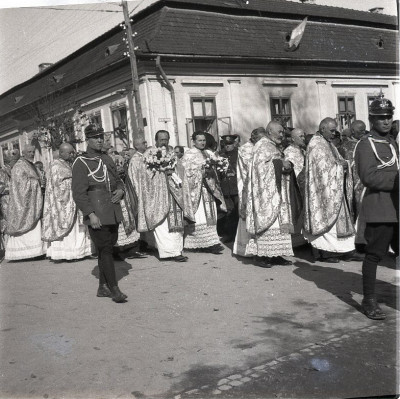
{"x":29,"y":152}
{"x":298,"y":137}
{"x":327,"y":128}
{"x":257,"y":133}
{"x":275,"y":132}
{"x":273,"y":125}
{"x":129,"y":153}
{"x":66,"y":152}
{"x":140,"y":145}
{"x":358,"y":129}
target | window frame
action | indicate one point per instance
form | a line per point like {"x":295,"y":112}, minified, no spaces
{"x":289,"y":122}
{"x":213,"y":117}
{"x":350,"y":116}
{"x":96,"y":115}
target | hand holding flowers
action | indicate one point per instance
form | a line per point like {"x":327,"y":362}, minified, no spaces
{"x":219,"y":164}
{"x":159,"y":160}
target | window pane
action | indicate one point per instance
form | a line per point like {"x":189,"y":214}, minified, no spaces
{"x":116,"y":118}
{"x":275,"y":106}
{"x":96,"y":119}
{"x":200,"y":124}
{"x":342,"y":105}
{"x":285,"y":107}
{"x":123,"y":116}
{"x":119,"y":118}
{"x":280,"y":111}
{"x":205,"y":124}
{"x":4,"y":148}
{"x":197,"y":108}
{"x":209,"y":107}
{"x":350,"y":104}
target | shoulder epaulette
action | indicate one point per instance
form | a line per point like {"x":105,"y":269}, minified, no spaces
{"x":365,"y":137}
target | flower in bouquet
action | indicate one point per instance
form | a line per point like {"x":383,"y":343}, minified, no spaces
{"x":220,"y":164}
{"x":159,"y":160}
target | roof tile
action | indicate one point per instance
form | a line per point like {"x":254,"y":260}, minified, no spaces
{"x":182,"y":31}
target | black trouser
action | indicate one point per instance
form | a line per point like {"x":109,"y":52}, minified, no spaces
{"x":104,"y":239}
{"x":229,"y":222}
{"x":378,"y":236}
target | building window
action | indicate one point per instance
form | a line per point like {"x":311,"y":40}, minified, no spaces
{"x":4,"y":148}
{"x":347,"y":113}
{"x":119,"y":118}
{"x":120,"y":125}
{"x":204,"y":115}
{"x":8,"y":146}
{"x":15,"y":145}
{"x":281,"y":110}
{"x":95,"y":119}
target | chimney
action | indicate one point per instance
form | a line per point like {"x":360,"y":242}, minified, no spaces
{"x":376,"y":10}
{"x":44,"y":65}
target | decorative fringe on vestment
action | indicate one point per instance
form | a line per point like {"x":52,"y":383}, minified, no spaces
{"x":209,"y":207}
{"x":175,"y":216}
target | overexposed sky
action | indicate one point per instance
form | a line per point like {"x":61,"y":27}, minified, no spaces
{"x":31,"y":34}
{"x":362,"y":5}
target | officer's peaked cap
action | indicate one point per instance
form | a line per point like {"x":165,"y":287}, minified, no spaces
{"x":381,"y":106}
{"x":228,"y":138}
{"x":92,"y":131}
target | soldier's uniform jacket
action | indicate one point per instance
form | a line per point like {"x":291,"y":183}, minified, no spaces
{"x":376,"y":161}
{"x":94,"y":178}
{"x":228,"y":181}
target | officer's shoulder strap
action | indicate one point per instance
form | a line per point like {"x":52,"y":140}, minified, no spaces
{"x":365,"y":137}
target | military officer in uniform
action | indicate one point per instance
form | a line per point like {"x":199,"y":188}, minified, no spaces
{"x":229,"y":222}
{"x":97,"y":191}
{"x":376,"y":161}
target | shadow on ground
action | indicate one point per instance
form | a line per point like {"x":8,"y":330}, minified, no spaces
{"x":197,"y":376}
{"x":343,"y":283}
{"x":121,"y":269}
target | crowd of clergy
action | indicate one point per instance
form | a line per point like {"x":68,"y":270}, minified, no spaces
{"x":335,"y":192}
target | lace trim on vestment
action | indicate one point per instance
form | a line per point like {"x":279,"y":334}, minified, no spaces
{"x":200,"y":236}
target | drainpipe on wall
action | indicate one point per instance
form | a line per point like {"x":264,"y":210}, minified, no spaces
{"x":173,"y":101}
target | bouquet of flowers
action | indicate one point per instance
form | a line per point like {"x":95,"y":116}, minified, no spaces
{"x":220,"y":164}
{"x":158,"y":159}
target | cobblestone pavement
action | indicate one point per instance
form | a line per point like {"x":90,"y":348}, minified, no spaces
{"x":343,"y":366}
{"x":216,"y":326}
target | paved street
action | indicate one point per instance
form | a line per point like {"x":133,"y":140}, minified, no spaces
{"x":213,"y":327}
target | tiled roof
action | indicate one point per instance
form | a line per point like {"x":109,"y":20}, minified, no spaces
{"x":292,"y":9}
{"x":169,"y":27}
{"x":211,"y":33}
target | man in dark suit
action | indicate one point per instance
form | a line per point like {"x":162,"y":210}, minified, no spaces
{"x":376,"y":160}
{"x":227,"y":225}
{"x":97,"y":190}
